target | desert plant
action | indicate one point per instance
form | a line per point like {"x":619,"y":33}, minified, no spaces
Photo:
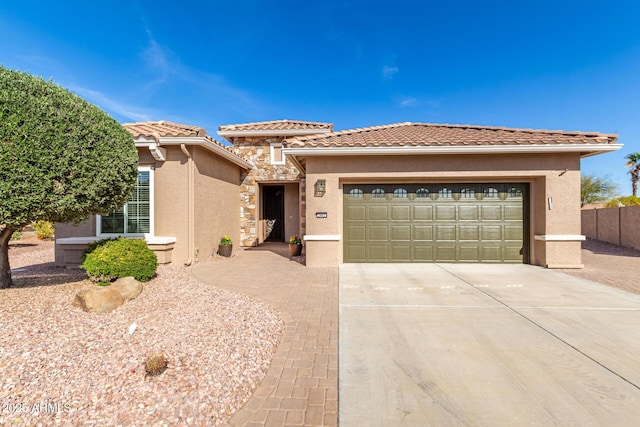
{"x":44,"y":229}
{"x":595,"y":188}
{"x":225,"y":241}
{"x":17,"y":235}
{"x":623,"y":201}
{"x":121,"y":257}
{"x":634,"y":170}
{"x":155,"y":364}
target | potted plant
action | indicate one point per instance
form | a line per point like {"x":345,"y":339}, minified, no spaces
{"x":225,"y":246}
{"x":295,"y":246}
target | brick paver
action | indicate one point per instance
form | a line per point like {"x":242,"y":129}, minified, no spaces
{"x":610,"y":265}
{"x":301,"y":385}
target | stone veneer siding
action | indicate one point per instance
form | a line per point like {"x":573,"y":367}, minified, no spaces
{"x":257,"y":151}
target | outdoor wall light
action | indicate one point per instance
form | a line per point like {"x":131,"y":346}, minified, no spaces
{"x":319,"y":188}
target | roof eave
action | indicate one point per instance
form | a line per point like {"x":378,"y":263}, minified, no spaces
{"x":195,"y":140}
{"x":283,"y":132}
{"x":585,"y":150}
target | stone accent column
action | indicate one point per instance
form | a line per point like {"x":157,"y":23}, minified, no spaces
{"x":256,"y":150}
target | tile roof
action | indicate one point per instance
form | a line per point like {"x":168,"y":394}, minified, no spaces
{"x":276,"y":125}
{"x":426,"y":134}
{"x":163,"y":129}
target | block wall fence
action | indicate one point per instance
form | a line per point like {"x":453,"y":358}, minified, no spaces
{"x":619,"y":226}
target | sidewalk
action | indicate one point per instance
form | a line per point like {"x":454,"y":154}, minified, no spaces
{"x":301,"y":385}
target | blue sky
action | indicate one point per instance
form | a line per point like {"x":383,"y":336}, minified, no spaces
{"x":572,"y":65}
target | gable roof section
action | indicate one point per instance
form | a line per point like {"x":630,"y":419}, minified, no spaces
{"x":425,"y":134}
{"x":275,"y":128}
{"x":156,"y":134}
{"x":163,"y":129}
{"x":426,"y":138}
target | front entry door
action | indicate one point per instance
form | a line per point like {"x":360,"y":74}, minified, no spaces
{"x":273,"y":211}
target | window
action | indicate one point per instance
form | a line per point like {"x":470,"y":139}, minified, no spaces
{"x":356,"y":193}
{"x":445,"y":193}
{"x":422,"y":193}
{"x":399,"y":193}
{"x":467,"y":193}
{"x":277,"y":156}
{"x":377,"y":193}
{"x":514,"y":193}
{"x":490,"y":193}
{"x":135,"y":217}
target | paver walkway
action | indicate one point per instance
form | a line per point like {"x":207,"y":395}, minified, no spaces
{"x":610,"y":265}
{"x":301,"y":385}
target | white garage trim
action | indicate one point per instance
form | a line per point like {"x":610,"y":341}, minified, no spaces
{"x":322,"y":237}
{"x":559,"y":237}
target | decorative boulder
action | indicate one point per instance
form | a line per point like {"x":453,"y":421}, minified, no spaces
{"x":128,"y":287}
{"x":99,"y":300}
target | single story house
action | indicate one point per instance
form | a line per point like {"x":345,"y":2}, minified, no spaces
{"x":405,"y":192}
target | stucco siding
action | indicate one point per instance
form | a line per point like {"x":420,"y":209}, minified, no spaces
{"x":554,"y":176}
{"x":291,"y":210}
{"x":171,"y":201}
{"x":217,"y":202}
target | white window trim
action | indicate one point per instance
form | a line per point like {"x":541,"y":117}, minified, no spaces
{"x":147,"y":236}
{"x":272,"y":147}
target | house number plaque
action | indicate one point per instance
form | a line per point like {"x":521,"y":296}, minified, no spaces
{"x":321,"y":214}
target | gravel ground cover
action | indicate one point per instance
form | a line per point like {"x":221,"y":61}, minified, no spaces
{"x":62,"y":366}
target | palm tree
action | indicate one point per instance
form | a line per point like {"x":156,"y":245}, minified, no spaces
{"x":634,"y":169}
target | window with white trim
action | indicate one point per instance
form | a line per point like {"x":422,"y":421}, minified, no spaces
{"x":277,"y":156}
{"x":136,"y":216}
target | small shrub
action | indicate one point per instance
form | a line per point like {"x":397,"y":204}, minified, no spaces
{"x":93,"y":245}
{"x":121,"y":257}
{"x":624,"y":201}
{"x":155,"y":364}
{"x":44,"y":229}
{"x":17,"y":235}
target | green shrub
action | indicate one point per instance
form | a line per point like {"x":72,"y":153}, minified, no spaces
{"x":93,"y":245}
{"x":44,"y":229}
{"x":624,"y":201}
{"x":17,"y":235}
{"x":112,"y":259}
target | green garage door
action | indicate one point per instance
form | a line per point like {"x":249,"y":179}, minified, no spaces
{"x":434,"y":223}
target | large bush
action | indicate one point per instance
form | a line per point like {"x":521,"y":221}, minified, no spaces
{"x":624,"y":201}
{"x":111,"y":259}
{"x":61,"y":158}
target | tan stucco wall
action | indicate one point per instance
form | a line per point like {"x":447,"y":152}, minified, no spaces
{"x":291,"y":210}
{"x":217,"y":202}
{"x":171,"y":197}
{"x":548,"y":175}
{"x":71,"y":254}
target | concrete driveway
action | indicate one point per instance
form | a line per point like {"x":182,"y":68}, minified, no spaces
{"x":485,"y":345}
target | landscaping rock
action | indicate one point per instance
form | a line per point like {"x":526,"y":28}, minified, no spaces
{"x":99,"y":300}
{"x":128,"y":287}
